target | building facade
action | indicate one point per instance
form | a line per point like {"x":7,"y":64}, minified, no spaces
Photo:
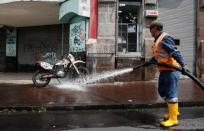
{"x":107,"y":34}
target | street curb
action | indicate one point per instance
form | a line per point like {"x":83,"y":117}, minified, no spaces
{"x":99,"y":107}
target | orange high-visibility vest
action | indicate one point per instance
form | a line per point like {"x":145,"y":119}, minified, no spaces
{"x":162,"y":55}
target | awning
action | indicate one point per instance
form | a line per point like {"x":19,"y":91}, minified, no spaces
{"x":71,"y":8}
{"x":29,"y":13}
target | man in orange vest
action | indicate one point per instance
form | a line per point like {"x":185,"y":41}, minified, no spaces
{"x":165,"y":51}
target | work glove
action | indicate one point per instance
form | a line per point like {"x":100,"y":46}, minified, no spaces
{"x":151,"y":61}
{"x":147,"y":63}
{"x":185,"y":69}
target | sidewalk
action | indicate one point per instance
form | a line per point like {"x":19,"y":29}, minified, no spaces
{"x":17,"y":91}
{"x":16,"y":78}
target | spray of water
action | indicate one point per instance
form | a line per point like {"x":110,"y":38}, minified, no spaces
{"x":97,"y":77}
{"x":71,"y":85}
{"x":79,"y":84}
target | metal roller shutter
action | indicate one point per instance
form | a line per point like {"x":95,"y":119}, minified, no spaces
{"x":178,"y":17}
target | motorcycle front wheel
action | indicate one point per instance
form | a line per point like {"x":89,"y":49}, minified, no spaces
{"x":80,"y":77}
{"x":39,"y":80}
{"x":83,"y":71}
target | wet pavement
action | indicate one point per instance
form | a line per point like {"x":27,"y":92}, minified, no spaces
{"x":191,"y":118}
{"x":119,"y":95}
{"x":116,"y":106}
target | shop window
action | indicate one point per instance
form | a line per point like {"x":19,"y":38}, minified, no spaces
{"x":128,"y":41}
{"x":127,"y":37}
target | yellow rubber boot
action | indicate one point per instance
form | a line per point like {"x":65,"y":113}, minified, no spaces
{"x":173,"y":111}
{"x":166,"y":116}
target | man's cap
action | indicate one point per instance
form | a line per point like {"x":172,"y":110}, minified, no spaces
{"x":157,"y":24}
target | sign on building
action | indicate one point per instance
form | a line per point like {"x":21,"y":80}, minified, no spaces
{"x":151,"y":13}
{"x":11,"y":43}
{"x":151,"y":8}
{"x":154,"y":2}
{"x":77,"y":36}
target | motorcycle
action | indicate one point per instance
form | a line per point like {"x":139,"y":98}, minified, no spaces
{"x":67,"y":67}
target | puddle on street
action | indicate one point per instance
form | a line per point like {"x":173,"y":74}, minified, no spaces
{"x":80,"y":84}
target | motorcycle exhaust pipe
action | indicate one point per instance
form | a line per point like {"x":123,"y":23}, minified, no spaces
{"x":189,"y":74}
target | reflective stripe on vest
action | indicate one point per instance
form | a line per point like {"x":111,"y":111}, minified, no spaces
{"x":161,"y":55}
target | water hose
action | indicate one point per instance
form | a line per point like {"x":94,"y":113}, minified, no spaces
{"x":184,"y":72}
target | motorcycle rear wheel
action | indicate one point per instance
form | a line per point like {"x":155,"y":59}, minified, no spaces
{"x":38,"y":79}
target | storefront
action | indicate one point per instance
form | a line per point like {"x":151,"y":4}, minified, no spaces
{"x":124,"y":37}
{"x":107,"y":34}
{"x":28,"y":29}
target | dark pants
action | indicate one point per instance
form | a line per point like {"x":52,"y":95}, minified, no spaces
{"x":168,"y":85}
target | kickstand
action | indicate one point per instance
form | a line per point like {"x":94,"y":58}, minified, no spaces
{"x":58,"y":80}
